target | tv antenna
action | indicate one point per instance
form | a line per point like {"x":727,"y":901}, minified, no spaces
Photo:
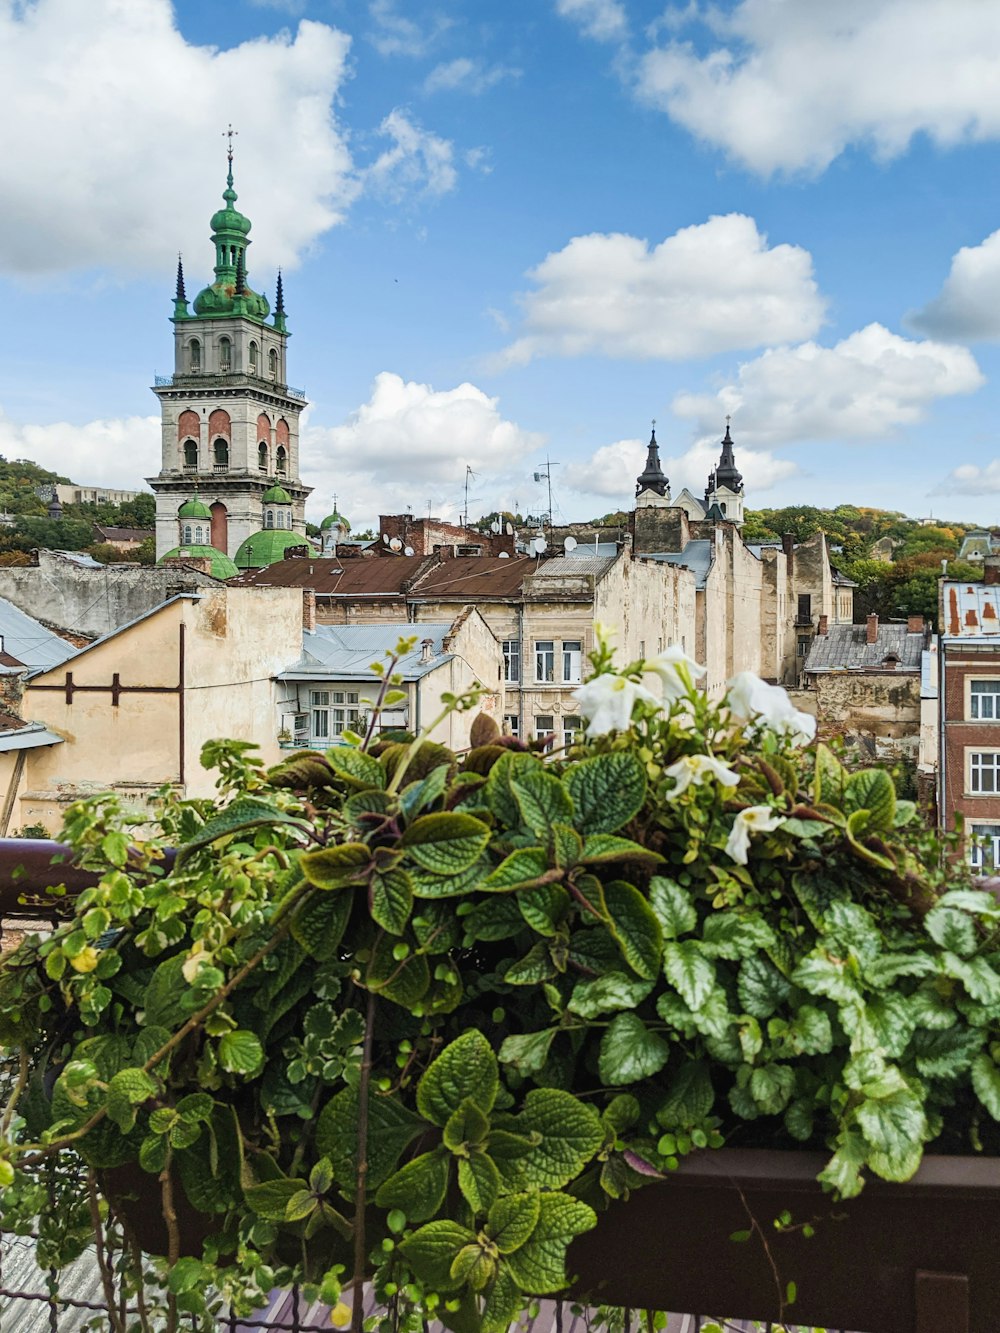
{"x":545,"y":474}
{"x":468,"y":473}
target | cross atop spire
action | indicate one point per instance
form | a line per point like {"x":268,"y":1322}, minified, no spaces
{"x":652,"y":477}
{"x":229,"y":134}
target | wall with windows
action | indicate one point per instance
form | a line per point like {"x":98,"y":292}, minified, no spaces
{"x":969,"y":782}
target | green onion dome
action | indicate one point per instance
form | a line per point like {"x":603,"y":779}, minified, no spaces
{"x":335,"y":520}
{"x":265,"y":547}
{"x":194,"y":508}
{"x":221,"y":566}
{"x":277,"y":495}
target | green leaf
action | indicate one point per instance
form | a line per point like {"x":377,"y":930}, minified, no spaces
{"x":674,"y":907}
{"x":503,"y":1304}
{"x":391,"y":1129}
{"x":319,"y":925}
{"x":244,"y":814}
{"x":872,"y":789}
{"x":843,"y":1171}
{"x":895,"y":1128}
{"x":445,"y":843}
{"x":541,"y":799}
{"x":271,"y":1198}
{"x":563,"y":1133}
{"x":735,"y":935}
{"x":465,"y":1068}
{"x":474,"y":1265}
{"x":986,"y":1082}
{"x":300,"y":1206}
{"x":810,"y":1032}
{"x":771,"y":1087}
{"x":240,"y":1052}
{"x":630,"y":1052}
{"x":761,"y":987}
{"x":690,"y":1097}
{"x":544,"y":907}
{"x":535,"y":966}
{"x":419,"y":1187}
{"x":479,"y":1181}
{"x":952,"y":930}
{"x":635,"y":926}
{"x":162,"y":1002}
{"x":335,"y":867}
{"x":418,"y":795}
{"x":566,"y":845}
{"x":513,"y":1219}
{"x":689,"y":971}
{"x":466,"y":1126}
{"x":153,"y":1153}
{"x":186,"y":1274}
{"x":601,"y":847}
{"x":539,"y":1265}
{"x":431,"y":1250}
{"x":404,"y":981}
{"x":830,"y":778}
{"x":947,"y":1054}
{"x":128,"y":1089}
{"x":607,"y":791}
{"x":521,"y":869}
{"x":820,"y":974}
{"x":858,"y":824}
{"x":975,"y":974}
{"x":356,"y":768}
{"x":494,"y":919}
{"x":392,"y":900}
{"x":527,"y":1052}
{"x":607,"y":995}
{"x":432,"y":886}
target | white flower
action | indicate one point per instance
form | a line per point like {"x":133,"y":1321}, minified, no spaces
{"x":757,"y":819}
{"x":696,"y":768}
{"x":676,"y":670}
{"x":607,"y":702}
{"x":753,"y":700}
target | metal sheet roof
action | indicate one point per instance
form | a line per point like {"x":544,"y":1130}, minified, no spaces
{"x":476,"y":576}
{"x":846,"y":648}
{"x":696,"y":556}
{"x":27,"y":736}
{"x":971,"y":611}
{"x":597,"y":565}
{"x":346,"y":652}
{"x":29,"y":641}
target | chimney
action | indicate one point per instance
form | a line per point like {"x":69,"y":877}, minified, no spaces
{"x":823,"y":623}
{"x":872,"y":629}
{"x":426,"y":650}
{"x":991,"y":569}
{"x":788,"y":544}
{"x":308,"y":610}
{"x":914,"y":624}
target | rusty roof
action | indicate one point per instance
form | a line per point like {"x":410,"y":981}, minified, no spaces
{"x":971,"y":610}
{"x":474,"y":576}
{"x":329,"y":577}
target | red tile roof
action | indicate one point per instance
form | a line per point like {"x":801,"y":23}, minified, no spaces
{"x":422,"y":577}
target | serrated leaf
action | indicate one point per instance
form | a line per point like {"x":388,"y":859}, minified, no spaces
{"x":952,"y":929}
{"x":607,"y":791}
{"x":430,"y":886}
{"x":872,"y":789}
{"x":541,"y":799}
{"x":635,"y":926}
{"x":858,"y":825}
{"x":946,"y":1054}
{"x":392,"y":900}
{"x":602,"y":847}
{"x":771,"y":1086}
{"x":503,"y":1304}
{"x":474,"y":1265}
{"x":689,"y":971}
{"x":519,"y":870}
{"x":162,"y":1001}
{"x":404,"y":981}
{"x":356,"y":768}
{"x":271,"y":1198}
{"x":630,"y":1052}
{"x":244,"y":814}
{"x":761,"y":987}
{"x":527,"y":1052}
{"x":467,"y":1125}
{"x":391,"y":1129}
{"x":893,"y":1126}
{"x":568,"y":1134}
{"x":735,"y":935}
{"x":544,"y":907}
{"x":820,"y":974}
{"x":336,"y":867}
{"x":830,"y":778}
{"x":445,"y":843}
{"x":539,"y":1265}
{"x":535,"y":966}
{"x":674,"y":907}
{"x":986,"y":1083}
{"x":975,"y":974}
{"x":494,"y":919}
{"x":799,"y":1120}
{"x":843,"y":1171}
{"x":431,"y":1250}
{"x":240,"y":1052}
{"x":809,"y":1032}
{"x":690,"y":1097}
{"x":319,"y":925}
{"x":417,"y":796}
{"x":127,"y":1090}
{"x":512,"y":1220}
{"x":418,"y":1188}
{"x":608,"y":994}
{"x":465,"y":1068}
{"x":479,"y":1181}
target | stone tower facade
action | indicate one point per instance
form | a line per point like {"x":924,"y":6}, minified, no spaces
{"x":725,"y":484}
{"x":230,"y":420}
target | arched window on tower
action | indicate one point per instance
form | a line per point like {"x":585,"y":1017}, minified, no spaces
{"x":269,"y":518}
{"x":187,"y":535}
{"x":197,"y":534}
{"x":225,"y":355}
{"x":220,"y":455}
{"x":254,"y":350}
{"x":194,"y":356}
{"x":191,"y":455}
{"x":281,"y":461}
{"x":262,"y":456}
{"x":272,"y":363}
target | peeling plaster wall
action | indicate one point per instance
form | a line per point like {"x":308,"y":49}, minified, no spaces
{"x":881,"y":709}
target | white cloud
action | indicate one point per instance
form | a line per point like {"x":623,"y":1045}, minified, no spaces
{"x":610,"y":472}
{"x":115,"y":157}
{"x":968,"y":305}
{"x":419,"y":162}
{"x":708,"y":288}
{"x":971,"y":479}
{"x":863,"y":387}
{"x":467,"y":76}
{"x":395,"y":35}
{"x":604,"y":20}
{"x":119,"y":452}
{"x":787,"y":87}
{"x":410,"y":443}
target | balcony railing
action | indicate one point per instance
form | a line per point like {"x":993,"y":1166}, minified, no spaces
{"x":229,"y":380}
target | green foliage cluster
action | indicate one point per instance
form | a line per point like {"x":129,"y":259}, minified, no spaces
{"x":392,"y":1014}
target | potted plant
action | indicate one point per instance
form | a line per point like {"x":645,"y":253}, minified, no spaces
{"x":405,"y":1017}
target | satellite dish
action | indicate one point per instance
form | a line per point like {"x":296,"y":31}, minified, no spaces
{"x":539,"y":544}
{"x":395,"y":544}
{"x":510,"y":529}
{"x":504,"y":555}
{"x":495,"y":525}
{"x":408,"y":550}
{"x":569,"y":544}
{"x":385,"y":538}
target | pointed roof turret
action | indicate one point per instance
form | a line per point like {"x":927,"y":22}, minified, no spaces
{"x":652,"y":477}
{"x":180,"y":296}
{"x":230,"y":236}
{"x":727,"y":473}
{"x":279,"y":307}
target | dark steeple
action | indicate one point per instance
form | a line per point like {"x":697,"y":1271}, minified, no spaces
{"x":726,"y":473}
{"x":652,"y":478}
{"x":180,"y":296}
{"x":279,"y":307}
{"x":241,"y":286}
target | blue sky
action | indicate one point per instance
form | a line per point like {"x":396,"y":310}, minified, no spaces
{"x":519,"y":230}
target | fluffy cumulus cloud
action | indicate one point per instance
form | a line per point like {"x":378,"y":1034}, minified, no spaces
{"x":788,"y":86}
{"x":417,"y":162}
{"x":120,"y":452}
{"x":708,"y":288}
{"x":611,"y":470}
{"x":604,"y":20}
{"x":410,"y":444}
{"x":968,"y":305}
{"x":861,"y":388}
{"x":107,"y":93}
{"x":971,"y":479}
{"x":464,"y":75}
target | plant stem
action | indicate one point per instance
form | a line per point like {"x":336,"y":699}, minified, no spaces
{"x":364,"y":1084}
{"x":140,"y":1289}
{"x":173,"y":1234}
{"x":107,"y":1282}
{"x":19,"y":1086}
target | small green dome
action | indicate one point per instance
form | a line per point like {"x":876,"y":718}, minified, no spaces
{"x":230,"y":218}
{"x":194,"y":508}
{"x":221,"y":567}
{"x":220,"y":299}
{"x":265,"y":547}
{"x":277,"y":495}
{"x":335,"y":520}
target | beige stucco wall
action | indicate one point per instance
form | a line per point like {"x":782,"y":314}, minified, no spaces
{"x":882,"y":708}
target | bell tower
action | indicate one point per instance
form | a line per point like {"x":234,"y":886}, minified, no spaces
{"x":230,"y":420}
{"x":725,"y":484}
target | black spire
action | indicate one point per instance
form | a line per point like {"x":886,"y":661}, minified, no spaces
{"x":241,"y":277}
{"x":651,"y":478}
{"x":726,"y":474}
{"x":180,"y":294}
{"x":279,"y":300}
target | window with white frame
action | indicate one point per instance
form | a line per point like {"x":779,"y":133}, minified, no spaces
{"x":512,"y":660}
{"x":346,"y":713}
{"x":544,"y":725}
{"x":571,"y":730}
{"x":984,"y":772}
{"x":545,"y":660}
{"x":511,"y":724}
{"x":984,"y":700}
{"x":984,"y":848}
{"x":572,"y":653}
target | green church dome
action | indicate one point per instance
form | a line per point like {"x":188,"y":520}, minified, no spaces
{"x":265,"y":547}
{"x":277,"y":495}
{"x":229,"y":293}
{"x":335,"y":520}
{"x":229,"y":218}
{"x":221,"y":567}
{"x":194,"y":508}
